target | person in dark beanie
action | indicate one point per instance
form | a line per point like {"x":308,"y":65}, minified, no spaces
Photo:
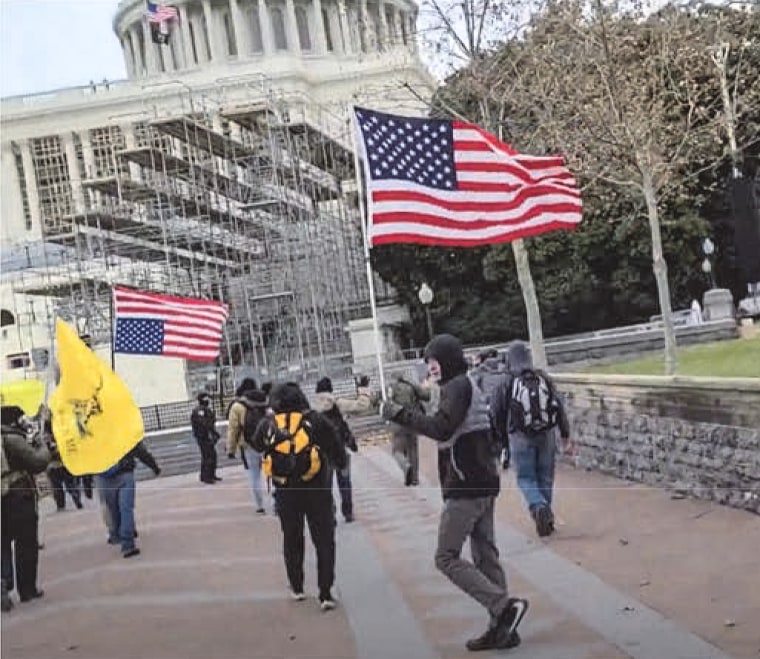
{"x":21,"y":459}
{"x":244,"y":415}
{"x":304,"y":494}
{"x":330,"y":406}
{"x":469,"y":476}
{"x":203,"y":422}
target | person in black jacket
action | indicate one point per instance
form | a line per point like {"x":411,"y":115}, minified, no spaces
{"x":203,"y":423}
{"x":311,"y":500}
{"x":469,"y":476}
{"x":22,"y":459}
{"x":117,"y":491}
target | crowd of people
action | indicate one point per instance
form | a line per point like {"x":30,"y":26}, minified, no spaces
{"x":491,"y":412}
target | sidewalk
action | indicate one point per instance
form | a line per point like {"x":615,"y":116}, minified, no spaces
{"x":210,"y":581}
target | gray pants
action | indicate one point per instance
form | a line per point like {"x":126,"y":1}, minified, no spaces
{"x":484,"y":578}
{"x":405,"y":451}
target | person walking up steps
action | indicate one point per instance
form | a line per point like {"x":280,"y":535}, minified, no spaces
{"x":300,"y":449}
{"x":244,"y":415}
{"x":526,"y":411}
{"x":469,"y":476}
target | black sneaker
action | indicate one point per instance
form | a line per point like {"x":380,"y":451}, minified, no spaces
{"x":544,"y":519}
{"x":326,"y":601}
{"x":129,"y":553}
{"x":486,"y":641}
{"x":408,"y":477}
{"x":509,"y":621}
{"x":35,"y":594}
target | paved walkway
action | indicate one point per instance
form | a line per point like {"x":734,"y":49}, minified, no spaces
{"x":630,"y":573}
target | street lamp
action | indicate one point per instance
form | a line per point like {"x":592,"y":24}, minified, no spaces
{"x":708,"y":249}
{"x":426,"y":297}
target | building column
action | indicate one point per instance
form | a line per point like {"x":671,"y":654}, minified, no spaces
{"x":75,"y":179}
{"x":151,"y":56}
{"x":291,"y":27}
{"x":241,"y":29}
{"x":265,"y":23}
{"x":184,"y":29}
{"x":345,"y":34}
{"x":129,"y":63}
{"x":320,"y":41}
{"x":364,"y":26}
{"x":30,"y":179}
{"x":134,"y":31}
{"x":398,"y":17}
{"x":213,"y":36}
{"x":384,"y":32}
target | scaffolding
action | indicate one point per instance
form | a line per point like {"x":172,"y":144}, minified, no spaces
{"x":252,"y":204}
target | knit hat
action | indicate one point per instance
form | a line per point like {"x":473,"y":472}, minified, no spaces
{"x":324,"y":385}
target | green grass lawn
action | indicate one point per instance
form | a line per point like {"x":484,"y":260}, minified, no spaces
{"x":738,"y":358}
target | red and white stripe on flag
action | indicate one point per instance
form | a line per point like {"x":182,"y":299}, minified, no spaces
{"x":441,"y":182}
{"x":187,"y":327}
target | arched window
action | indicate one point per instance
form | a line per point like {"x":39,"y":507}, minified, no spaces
{"x":302,"y":23}
{"x":328,"y":30}
{"x":278,"y":29}
{"x":6,"y":318}
{"x":257,"y":42}
{"x":230,"y":34}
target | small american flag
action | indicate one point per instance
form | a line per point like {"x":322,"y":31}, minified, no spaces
{"x":160,"y":13}
{"x":440,"y":182}
{"x":156,"y":324}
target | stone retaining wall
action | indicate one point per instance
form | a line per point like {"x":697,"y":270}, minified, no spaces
{"x":698,"y":436}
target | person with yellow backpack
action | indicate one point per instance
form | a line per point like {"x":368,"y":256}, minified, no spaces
{"x":300,"y":448}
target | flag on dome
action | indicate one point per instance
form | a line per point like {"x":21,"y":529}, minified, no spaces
{"x":159,"y":17}
{"x":441,"y":182}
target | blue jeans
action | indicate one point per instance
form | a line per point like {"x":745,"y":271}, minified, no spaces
{"x":253,"y":458}
{"x":119,"y":497}
{"x":533,"y":458}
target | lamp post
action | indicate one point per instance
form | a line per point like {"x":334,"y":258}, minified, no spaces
{"x":708,"y":249}
{"x":426,"y":297}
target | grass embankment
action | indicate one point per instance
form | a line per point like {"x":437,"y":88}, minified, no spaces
{"x":739,"y":358}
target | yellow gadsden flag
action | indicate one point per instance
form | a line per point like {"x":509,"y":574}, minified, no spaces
{"x":95,"y":420}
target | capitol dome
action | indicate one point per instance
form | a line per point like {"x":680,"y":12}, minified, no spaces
{"x":212,"y":33}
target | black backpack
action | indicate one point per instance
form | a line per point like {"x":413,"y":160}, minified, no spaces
{"x":253,"y":416}
{"x":345,"y":435}
{"x":533,"y":404}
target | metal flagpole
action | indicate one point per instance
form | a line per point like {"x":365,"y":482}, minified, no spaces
{"x":370,"y":281}
{"x":113,"y":331}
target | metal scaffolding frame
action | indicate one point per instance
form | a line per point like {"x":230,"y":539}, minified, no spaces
{"x":252,"y":204}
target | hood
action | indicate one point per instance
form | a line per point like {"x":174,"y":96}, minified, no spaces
{"x":447,"y":351}
{"x":253,"y":398}
{"x":324,"y":401}
{"x":518,"y":357}
{"x":288,"y":397}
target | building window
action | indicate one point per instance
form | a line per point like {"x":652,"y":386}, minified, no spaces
{"x":51,"y":171}
{"x":278,"y":28}
{"x":302,"y":23}
{"x":390,"y":20}
{"x":141,"y":48}
{"x":230,"y":33}
{"x":328,"y":30}
{"x":257,"y":42}
{"x":193,"y":47}
{"x":6,"y":318}
{"x":404,"y":36}
{"x":25,"y":207}
{"x":18,"y":360}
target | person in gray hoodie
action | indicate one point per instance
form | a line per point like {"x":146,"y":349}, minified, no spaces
{"x":469,"y":477}
{"x":532,"y":451}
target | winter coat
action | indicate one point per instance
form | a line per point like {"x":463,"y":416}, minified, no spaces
{"x":253,"y":400}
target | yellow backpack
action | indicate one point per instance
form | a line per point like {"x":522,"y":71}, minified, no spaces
{"x":290,"y":455}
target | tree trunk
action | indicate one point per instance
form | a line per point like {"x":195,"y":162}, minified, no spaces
{"x":525,"y":279}
{"x":660,"y":268}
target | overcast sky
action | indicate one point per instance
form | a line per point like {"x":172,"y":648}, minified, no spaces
{"x":47,"y":44}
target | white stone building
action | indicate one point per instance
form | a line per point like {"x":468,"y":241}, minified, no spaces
{"x":221,"y":167}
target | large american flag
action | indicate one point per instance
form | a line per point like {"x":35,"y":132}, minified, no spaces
{"x":159,"y":13}
{"x":156,"y":324}
{"x":440,"y":182}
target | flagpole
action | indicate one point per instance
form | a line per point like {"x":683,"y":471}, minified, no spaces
{"x":367,"y":262}
{"x":113,"y":333}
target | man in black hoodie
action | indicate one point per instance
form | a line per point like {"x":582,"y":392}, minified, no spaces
{"x":469,"y":476}
{"x":311,"y":499}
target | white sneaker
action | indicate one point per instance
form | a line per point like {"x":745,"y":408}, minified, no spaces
{"x":297,"y":596}
{"x":327,"y":604}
